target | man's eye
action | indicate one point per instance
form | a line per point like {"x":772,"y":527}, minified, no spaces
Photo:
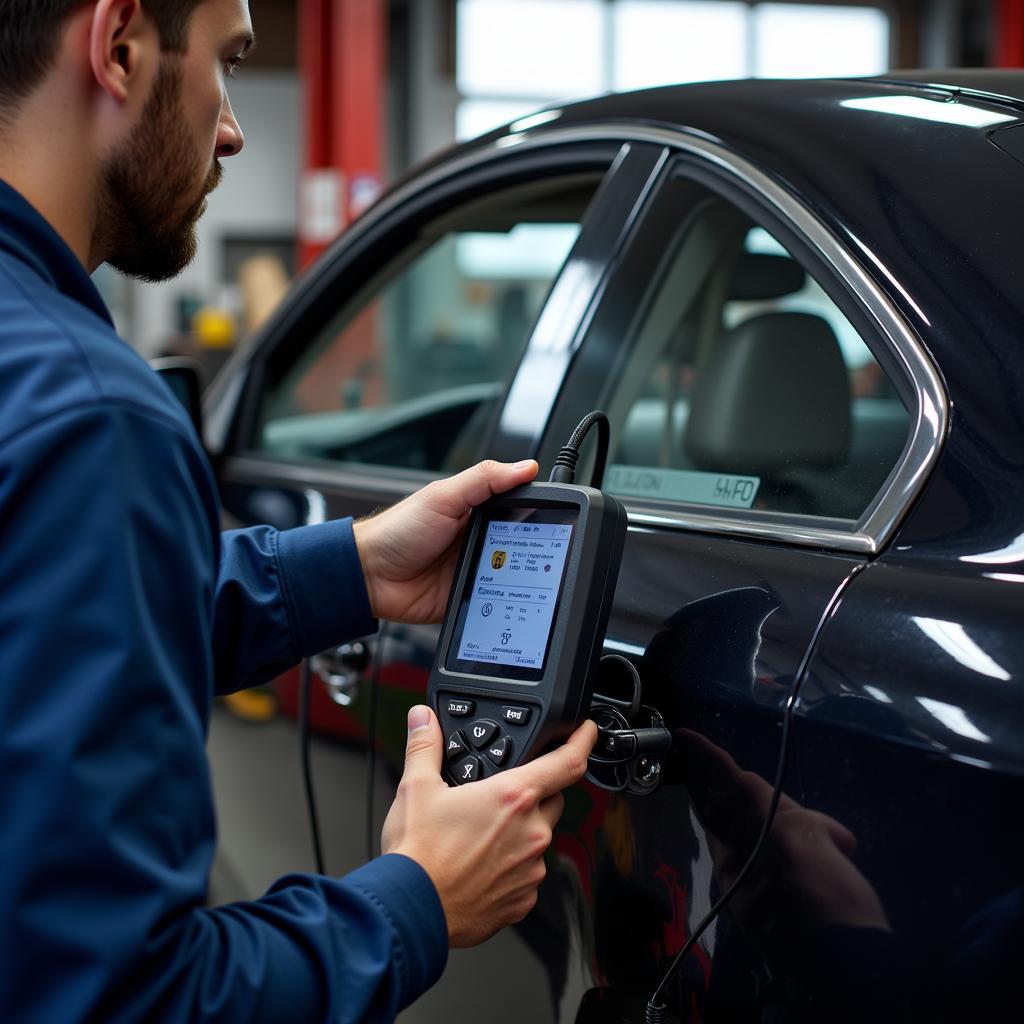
{"x":232,"y":66}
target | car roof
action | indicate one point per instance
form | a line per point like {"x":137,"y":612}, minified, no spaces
{"x":921,"y":171}
{"x":698,"y":104}
{"x":742,"y":113}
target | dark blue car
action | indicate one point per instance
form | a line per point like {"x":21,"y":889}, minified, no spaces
{"x":802,"y":306}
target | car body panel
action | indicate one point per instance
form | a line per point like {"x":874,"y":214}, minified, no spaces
{"x":910,"y":731}
{"x":891,"y":668}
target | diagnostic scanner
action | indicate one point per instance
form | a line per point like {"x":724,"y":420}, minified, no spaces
{"x":525,"y":624}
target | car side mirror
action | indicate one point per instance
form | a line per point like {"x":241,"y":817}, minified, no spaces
{"x":182,"y":377}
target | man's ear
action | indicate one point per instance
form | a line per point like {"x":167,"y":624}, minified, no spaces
{"x":119,"y":45}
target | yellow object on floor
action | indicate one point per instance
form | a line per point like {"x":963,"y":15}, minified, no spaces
{"x":256,"y":705}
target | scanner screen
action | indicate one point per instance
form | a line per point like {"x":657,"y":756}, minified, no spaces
{"x":514,"y":593}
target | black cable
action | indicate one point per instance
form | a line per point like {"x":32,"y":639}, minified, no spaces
{"x":655,"y":1010}
{"x":305,"y":687}
{"x":564,"y":469}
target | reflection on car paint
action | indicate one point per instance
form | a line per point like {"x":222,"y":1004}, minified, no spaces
{"x":953,"y":639}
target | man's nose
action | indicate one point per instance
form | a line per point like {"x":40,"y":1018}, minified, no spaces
{"x":230,"y":139}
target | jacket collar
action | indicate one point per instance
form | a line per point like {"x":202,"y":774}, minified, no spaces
{"x":28,"y":237}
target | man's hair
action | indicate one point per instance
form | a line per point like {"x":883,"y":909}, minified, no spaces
{"x":30,"y":34}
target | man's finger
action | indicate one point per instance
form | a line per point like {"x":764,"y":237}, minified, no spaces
{"x":423,"y":747}
{"x":472,"y":486}
{"x":559,"y":769}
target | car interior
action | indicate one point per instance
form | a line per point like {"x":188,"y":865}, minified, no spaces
{"x":737,"y":369}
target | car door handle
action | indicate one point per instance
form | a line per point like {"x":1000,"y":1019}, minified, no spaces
{"x":340,"y":669}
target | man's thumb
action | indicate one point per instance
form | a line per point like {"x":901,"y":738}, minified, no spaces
{"x":423,"y":747}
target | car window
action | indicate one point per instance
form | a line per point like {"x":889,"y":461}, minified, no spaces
{"x":746,"y":386}
{"x":407,"y":374}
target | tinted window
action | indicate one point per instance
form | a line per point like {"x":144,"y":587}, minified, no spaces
{"x":747,"y":387}
{"x":408,"y":374}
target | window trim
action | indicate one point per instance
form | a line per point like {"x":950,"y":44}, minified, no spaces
{"x":231,"y":402}
{"x":905,"y":354}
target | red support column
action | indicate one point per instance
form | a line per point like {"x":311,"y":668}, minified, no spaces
{"x":1008,"y":44}
{"x":343,"y":59}
{"x":360,"y":83}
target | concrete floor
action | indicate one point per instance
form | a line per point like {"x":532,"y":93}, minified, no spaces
{"x":264,"y":834}
{"x":261,"y":808}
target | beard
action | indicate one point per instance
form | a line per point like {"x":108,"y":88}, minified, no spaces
{"x":144,"y":231}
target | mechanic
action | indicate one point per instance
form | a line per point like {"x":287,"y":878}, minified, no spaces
{"x":123,"y":610}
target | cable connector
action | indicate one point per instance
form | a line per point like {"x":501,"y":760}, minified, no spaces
{"x":564,"y":469}
{"x":617,"y":746}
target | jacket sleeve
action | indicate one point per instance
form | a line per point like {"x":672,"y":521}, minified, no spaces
{"x":108,"y":562}
{"x":283,"y":596}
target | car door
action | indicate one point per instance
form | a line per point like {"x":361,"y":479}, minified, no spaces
{"x":389,"y":365}
{"x":772,"y":419}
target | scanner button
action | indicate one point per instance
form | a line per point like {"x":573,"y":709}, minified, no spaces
{"x":467,"y":771}
{"x":460,"y":708}
{"x":517,"y":716}
{"x":499,"y":750}
{"x":456,"y":745}
{"x":481,"y":732}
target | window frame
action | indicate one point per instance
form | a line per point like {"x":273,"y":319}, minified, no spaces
{"x":895,"y":345}
{"x":361,"y":258}
{"x":385,"y":418}
{"x":893,"y":341}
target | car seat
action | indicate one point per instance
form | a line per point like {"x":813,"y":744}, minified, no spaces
{"x":773,"y":401}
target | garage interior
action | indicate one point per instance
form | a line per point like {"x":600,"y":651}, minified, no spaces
{"x":341,"y":98}
{"x":340,"y":101}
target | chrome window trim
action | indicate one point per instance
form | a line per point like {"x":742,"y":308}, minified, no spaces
{"x":809,"y":536}
{"x":929,"y":419}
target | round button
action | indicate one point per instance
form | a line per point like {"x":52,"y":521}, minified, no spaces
{"x":481,"y":732}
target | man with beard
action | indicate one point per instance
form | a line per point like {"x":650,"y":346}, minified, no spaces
{"x":123,"y":609}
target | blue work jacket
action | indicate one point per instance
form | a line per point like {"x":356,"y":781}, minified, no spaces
{"x":123,"y":610}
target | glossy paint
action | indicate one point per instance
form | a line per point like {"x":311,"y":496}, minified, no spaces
{"x":890,"y":886}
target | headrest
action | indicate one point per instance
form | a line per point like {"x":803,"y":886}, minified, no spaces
{"x":775,"y":392}
{"x":760,"y":275}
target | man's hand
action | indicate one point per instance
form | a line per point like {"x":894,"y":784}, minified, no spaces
{"x":409,"y":552}
{"x":483,"y":843}
{"x":805,"y":878}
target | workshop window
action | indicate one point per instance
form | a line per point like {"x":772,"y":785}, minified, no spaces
{"x":514,"y":57}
